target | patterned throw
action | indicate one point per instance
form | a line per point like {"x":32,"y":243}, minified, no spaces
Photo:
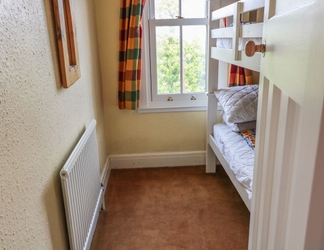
{"x":239,"y":76}
{"x":130,"y":43}
{"x":249,"y":137}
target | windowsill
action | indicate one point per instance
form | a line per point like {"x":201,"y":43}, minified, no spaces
{"x":145,"y":110}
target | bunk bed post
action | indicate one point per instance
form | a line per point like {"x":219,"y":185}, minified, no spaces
{"x":212,"y":85}
{"x":211,"y":120}
{"x":238,"y":8}
{"x":227,"y":50}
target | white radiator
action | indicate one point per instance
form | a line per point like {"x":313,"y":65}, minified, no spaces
{"x":82,"y":190}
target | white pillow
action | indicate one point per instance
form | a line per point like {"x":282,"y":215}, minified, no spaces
{"x":238,"y":127}
{"x":239,"y":103}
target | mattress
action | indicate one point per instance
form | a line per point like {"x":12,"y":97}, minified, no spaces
{"x":226,"y":43}
{"x":238,"y":154}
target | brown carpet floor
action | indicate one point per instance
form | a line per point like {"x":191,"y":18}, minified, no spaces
{"x":171,"y":208}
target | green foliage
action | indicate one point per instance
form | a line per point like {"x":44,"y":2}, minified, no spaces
{"x":194,"y":67}
{"x":168,"y":65}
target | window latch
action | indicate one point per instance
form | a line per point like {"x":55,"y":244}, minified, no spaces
{"x":179,"y":17}
{"x":170,"y":99}
{"x":193,"y":98}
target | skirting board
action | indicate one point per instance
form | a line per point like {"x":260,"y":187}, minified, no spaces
{"x":150,"y":160}
{"x":104,"y":178}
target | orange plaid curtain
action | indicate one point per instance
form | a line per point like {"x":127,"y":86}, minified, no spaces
{"x":130,"y":44}
{"x":239,"y":76}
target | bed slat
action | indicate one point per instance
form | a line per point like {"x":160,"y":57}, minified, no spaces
{"x":252,"y":30}
{"x":252,"y":63}
{"x":222,"y":33}
{"x":248,"y":31}
{"x":248,"y":5}
{"x":223,"y":12}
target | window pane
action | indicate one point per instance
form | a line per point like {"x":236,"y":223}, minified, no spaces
{"x":166,"y":9}
{"x":194,"y":49}
{"x":168,"y":59}
{"x":194,"y":8}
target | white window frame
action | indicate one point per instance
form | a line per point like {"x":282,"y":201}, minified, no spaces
{"x":181,"y":102}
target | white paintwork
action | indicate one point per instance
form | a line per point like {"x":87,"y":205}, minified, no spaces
{"x":252,"y":30}
{"x":213,"y":68}
{"x":225,"y":55}
{"x":159,"y":108}
{"x":287,"y":206}
{"x":179,"y":99}
{"x":222,"y":33}
{"x":234,"y":56}
{"x":223,"y":12}
{"x":104,"y":178}
{"x":252,"y":4}
{"x":151,"y":160}
{"x":228,"y":10}
{"x":236,"y":31}
{"x":181,"y":103}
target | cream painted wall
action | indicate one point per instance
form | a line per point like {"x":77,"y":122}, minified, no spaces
{"x":127,"y":131}
{"x":40,"y":122}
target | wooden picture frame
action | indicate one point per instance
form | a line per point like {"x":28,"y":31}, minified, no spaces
{"x":66,"y":36}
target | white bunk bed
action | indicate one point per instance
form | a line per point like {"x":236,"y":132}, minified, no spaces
{"x":238,"y":33}
{"x":219,"y":133}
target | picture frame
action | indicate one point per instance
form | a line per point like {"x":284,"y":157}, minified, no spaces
{"x":66,"y":36}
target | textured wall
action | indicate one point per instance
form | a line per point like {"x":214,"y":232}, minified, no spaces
{"x":39,"y":121}
{"x":127,"y":131}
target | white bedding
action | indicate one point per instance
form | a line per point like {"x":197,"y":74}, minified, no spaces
{"x":237,"y":153}
{"x":226,"y":43}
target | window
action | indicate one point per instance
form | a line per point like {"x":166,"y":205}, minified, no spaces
{"x":175,"y":55}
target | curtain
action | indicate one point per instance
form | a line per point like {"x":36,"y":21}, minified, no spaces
{"x":239,"y":76}
{"x":130,"y":43}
